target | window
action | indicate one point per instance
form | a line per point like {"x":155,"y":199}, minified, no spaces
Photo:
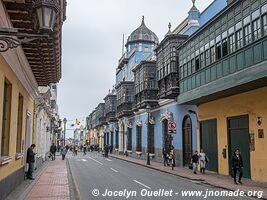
{"x":224,"y":47}
{"x":197,"y":64}
{"x":212,"y":54}
{"x":189,"y":69}
{"x":182,"y":72}
{"x":116,"y":139}
{"x":129,"y":139}
{"x":185,"y":70}
{"x":232,"y":43}
{"x":150,"y":138}
{"x":6,"y":118}
{"x":193,"y":65}
{"x":218,"y":51}
{"x":256,"y":29}
{"x":202,"y":60}
{"x":19,"y":124}
{"x":247,"y":34}
{"x":207,"y":54}
{"x":139,"y":138}
{"x":264,"y":24}
{"x":239,"y":38}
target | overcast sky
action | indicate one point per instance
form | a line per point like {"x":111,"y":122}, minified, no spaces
{"x":92,"y":45}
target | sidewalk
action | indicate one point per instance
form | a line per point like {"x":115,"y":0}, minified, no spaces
{"x":53,"y":184}
{"x":220,"y":181}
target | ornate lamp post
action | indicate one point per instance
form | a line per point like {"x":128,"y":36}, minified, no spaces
{"x":65,"y":122}
{"x":46,"y":12}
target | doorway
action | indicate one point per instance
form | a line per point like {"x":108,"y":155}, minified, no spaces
{"x":238,"y":137}
{"x":209,"y":143}
{"x":187,"y":140}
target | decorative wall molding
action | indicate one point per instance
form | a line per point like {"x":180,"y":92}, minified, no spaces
{"x":129,"y":124}
{"x":167,"y":115}
{"x":138,"y":122}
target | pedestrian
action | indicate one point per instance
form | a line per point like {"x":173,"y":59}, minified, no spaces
{"x":203,"y":161}
{"x":64,"y":152}
{"x":110,"y":149}
{"x":237,"y":165}
{"x":30,"y":160}
{"x":84,"y":149}
{"x":194,"y":161}
{"x":75,"y":150}
{"x":172,"y":153}
{"x":53,"y":150}
{"x":165,"y":157}
{"x":106,"y":150}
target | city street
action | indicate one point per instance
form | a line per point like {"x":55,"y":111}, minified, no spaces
{"x":93,"y":172}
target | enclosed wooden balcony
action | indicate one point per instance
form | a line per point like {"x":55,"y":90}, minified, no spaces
{"x":125,"y":98}
{"x":167,"y":65}
{"x":146,"y":87}
{"x":110,"y":107}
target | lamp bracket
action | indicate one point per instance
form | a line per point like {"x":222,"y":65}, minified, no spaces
{"x":9,"y":40}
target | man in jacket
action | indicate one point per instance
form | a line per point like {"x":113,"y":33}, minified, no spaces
{"x":53,"y":150}
{"x":30,"y":160}
{"x":237,"y":165}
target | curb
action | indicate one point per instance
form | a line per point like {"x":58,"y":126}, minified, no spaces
{"x":151,"y":167}
{"x":73,"y":188}
{"x":202,"y":181}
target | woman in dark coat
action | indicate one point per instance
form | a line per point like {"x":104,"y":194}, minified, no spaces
{"x":237,"y":165}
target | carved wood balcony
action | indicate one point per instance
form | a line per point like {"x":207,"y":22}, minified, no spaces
{"x":125,"y":95}
{"x":146,"y":87}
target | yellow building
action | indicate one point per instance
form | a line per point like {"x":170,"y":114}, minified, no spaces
{"x":226,"y":77}
{"x":252,"y":105}
{"x":22,"y":70}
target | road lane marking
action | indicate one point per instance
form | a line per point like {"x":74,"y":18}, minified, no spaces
{"x":95,"y":160}
{"x":142,"y":184}
{"x":108,"y":159}
{"x":83,"y":160}
{"x":114,"y":170}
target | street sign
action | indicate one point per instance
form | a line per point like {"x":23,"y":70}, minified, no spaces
{"x":171,"y":127}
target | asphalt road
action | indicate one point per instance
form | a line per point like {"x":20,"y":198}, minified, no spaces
{"x":99,"y":178}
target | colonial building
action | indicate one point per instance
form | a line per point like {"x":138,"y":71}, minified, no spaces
{"x":223,"y":71}
{"x":147,"y":85}
{"x":26,"y":64}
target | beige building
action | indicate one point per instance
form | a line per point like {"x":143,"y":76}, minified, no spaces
{"x":23,"y":68}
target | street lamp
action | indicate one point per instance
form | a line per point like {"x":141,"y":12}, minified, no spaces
{"x":64,"y":121}
{"x":46,"y":11}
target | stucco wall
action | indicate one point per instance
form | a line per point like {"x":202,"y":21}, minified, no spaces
{"x":254,"y":104}
{"x":28,"y":106}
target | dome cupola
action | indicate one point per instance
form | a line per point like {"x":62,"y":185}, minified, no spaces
{"x":142,"y":35}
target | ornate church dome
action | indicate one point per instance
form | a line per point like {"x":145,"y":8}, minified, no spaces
{"x":142,"y":34}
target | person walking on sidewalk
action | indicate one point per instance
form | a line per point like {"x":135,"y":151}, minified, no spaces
{"x":64,"y":152}
{"x":165,"y":157}
{"x":237,"y":165}
{"x":30,"y":160}
{"x":53,"y":150}
{"x":203,"y":161}
{"x":194,"y":162}
{"x":106,"y":150}
{"x":84,"y":149}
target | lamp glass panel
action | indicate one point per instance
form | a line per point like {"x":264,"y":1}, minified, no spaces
{"x":47,"y":17}
{"x":53,"y":19}
{"x":40,"y":17}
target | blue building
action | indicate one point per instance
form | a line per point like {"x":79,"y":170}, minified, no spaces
{"x":146,"y":91}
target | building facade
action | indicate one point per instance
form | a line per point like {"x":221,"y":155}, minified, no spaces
{"x":147,"y":85}
{"x":25,"y":110}
{"x":223,"y":71}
